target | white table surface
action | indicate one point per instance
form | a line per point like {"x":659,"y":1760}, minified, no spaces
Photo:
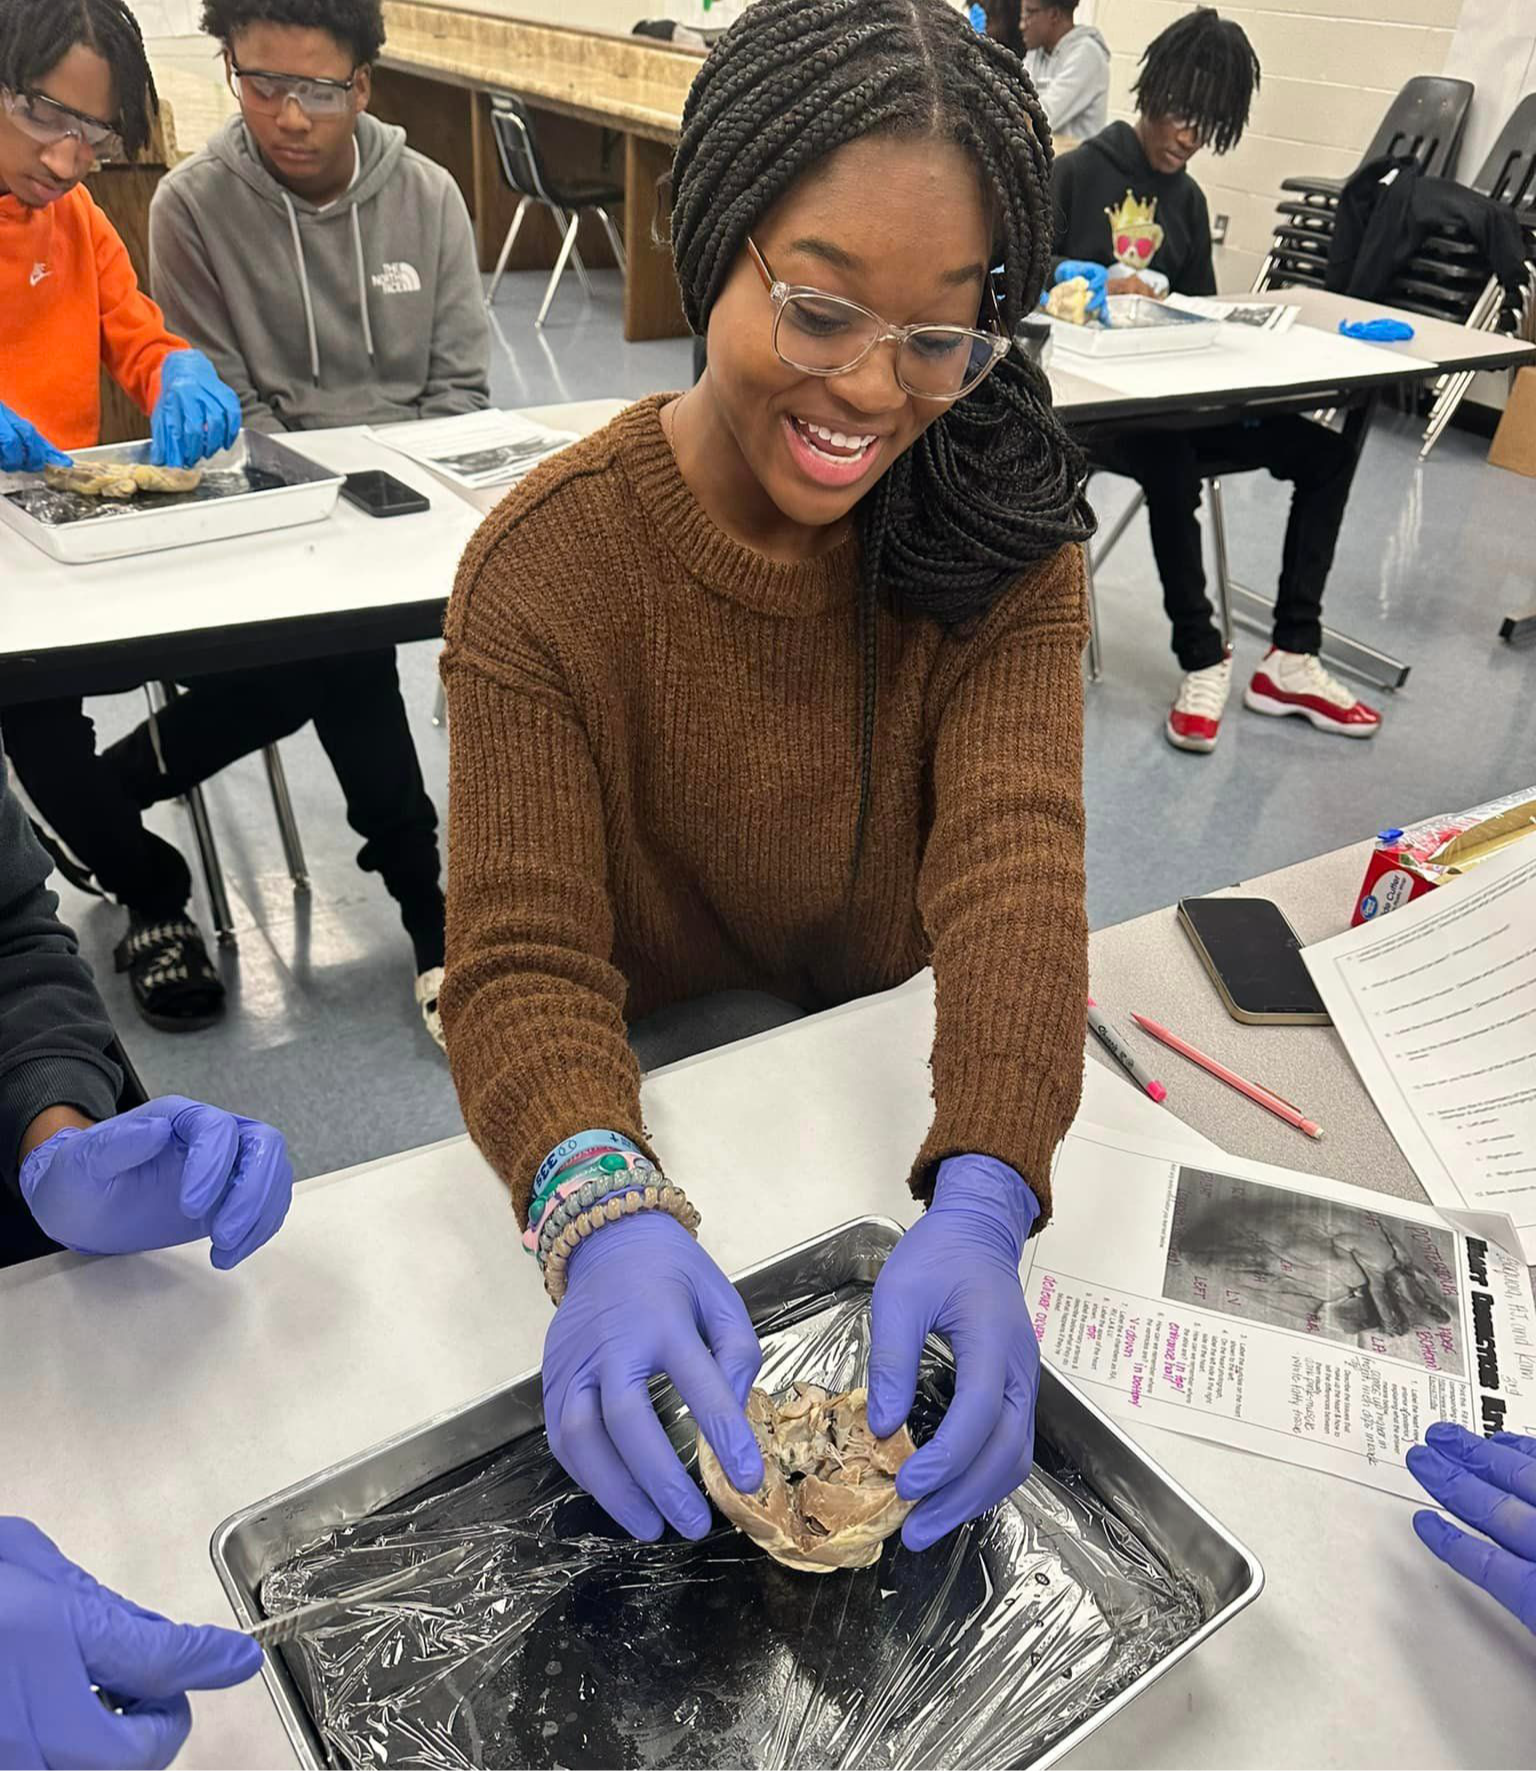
{"x":1311,"y":354}
{"x":144,"y":1399}
{"x":351,"y":561}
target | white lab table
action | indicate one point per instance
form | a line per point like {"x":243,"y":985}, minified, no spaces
{"x":340,"y":585}
{"x":1247,"y":372}
{"x":144,"y":1399}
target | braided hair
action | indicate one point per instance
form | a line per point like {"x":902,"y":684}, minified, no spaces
{"x":994,"y":484}
{"x":1004,"y":23}
{"x":36,"y":35}
{"x":1201,"y":68}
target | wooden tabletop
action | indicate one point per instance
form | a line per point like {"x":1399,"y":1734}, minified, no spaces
{"x":632,"y":83}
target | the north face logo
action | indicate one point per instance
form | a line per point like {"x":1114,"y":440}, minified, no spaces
{"x":398,"y":279}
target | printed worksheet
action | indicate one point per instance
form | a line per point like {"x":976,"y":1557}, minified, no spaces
{"x":1291,"y":1316}
{"x":1436,"y":1004}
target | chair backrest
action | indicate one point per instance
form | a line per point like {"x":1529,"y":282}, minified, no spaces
{"x":517,"y":146}
{"x":1424,"y":122}
{"x":1508,"y":175}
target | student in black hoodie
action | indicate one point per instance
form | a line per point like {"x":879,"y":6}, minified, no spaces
{"x":1196,"y":83}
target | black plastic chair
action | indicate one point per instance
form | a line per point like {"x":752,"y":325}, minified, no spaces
{"x":1425,"y":121}
{"x":522,"y":166}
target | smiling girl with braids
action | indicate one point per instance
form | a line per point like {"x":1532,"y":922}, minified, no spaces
{"x":774,"y":689}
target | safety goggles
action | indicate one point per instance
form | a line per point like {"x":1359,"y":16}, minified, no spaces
{"x":45,"y":120}
{"x":821,"y":334}
{"x":266,"y":93}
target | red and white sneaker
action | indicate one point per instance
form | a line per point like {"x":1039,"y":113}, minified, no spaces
{"x":1195,"y":718}
{"x":1295,"y":682}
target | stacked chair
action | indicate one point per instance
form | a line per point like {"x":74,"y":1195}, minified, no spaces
{"x":1449,"y":278}
{"x":1425,"y":122}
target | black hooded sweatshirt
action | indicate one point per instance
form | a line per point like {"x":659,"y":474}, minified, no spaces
{"x":1096,"y":176}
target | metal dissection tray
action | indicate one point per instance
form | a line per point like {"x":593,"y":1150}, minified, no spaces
{"x":1138,"y":327}
{"x":558,"y":1641}
{"x":258,"y":485}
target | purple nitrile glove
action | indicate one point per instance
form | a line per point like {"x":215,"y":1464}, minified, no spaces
{"x":61,"y":1634}
{"x":169,"y":1172}
{"x":23,"y":447}
{"x":1491,"y":1484}
{"x":956,"y":1273}
{"x":643,"y":1298}
{"x":196,"y":415}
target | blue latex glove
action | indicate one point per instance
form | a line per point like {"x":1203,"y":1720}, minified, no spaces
{"x":24,"y":448}
{"x":1095,"y":275}
{"x":170,"y":1172}
{"x":61,"y":1633}
{"x":978,"y":18}
{"x":1377,"y":331}
{"x":1491,"y":1484}
{"x":956,"y":1273}
{"x":196,"y":415}
{"x":643,"y":1298}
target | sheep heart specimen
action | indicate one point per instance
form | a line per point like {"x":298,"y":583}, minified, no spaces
{"x":828,"y":1498}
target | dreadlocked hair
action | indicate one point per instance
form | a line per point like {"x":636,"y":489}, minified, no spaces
{"x":356,"y":24}
{"x":1203,"y":69}
{"x":36,"y":35}
{"x":994,"y":484}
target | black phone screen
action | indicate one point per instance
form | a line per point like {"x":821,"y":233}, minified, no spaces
{"x":1255,"y":952}
{"x":382,"y":495}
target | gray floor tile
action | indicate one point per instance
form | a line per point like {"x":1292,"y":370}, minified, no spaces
{"x":324,"y":1039}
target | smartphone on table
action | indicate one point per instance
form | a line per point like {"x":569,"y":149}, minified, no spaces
{"x":1254,"y":959}
{"x":382,"y":495}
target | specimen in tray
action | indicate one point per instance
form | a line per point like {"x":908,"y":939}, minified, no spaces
{"x":121,"y":479}
{"x":828,"y":1498}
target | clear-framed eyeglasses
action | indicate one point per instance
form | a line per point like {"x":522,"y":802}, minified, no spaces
{"x":821,"y":334}
{"x":47,"y":121}
{"x":265,"y":94}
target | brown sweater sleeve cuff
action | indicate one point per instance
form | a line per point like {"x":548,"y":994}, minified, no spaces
{"x":987,"y":1107}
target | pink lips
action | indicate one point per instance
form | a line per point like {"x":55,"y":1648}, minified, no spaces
{"x":834,"y":475}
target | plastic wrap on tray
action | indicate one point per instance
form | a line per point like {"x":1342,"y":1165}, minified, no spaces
{"x":557,"y":1641}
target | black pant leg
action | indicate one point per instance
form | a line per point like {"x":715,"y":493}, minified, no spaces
{"x":1164,"y":465}
{"x":216,"y":721}
{"x":360,"y":719}
{"x":1321,"y":466}
{"x":52,"y":746}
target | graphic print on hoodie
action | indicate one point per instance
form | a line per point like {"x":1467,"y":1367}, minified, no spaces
{"x":367,"y":311}
{"x":1094,"y":179}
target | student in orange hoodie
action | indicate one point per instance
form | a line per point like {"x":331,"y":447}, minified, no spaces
{"x":75,"y":87}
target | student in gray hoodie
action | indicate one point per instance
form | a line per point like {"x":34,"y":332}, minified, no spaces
{"x":1069,"y":64}
{"x":330,"y":273}
{"x":327,"y":269}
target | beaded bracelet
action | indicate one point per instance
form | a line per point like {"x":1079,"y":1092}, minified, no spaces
{"x":672,"y":1200}
{"x":587,"y":1193}
{"x":608,"y":1167}
{"x":582,"y":1147}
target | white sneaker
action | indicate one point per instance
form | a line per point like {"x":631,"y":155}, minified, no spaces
{"x":1295,"y":682}
{"x":429,"y":987}
{"x":1195,"y":718}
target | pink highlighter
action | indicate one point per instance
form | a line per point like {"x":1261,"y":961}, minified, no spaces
{"x":1120,"y":1052}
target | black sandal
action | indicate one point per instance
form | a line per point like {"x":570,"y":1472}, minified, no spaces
{"x":175,"y":987}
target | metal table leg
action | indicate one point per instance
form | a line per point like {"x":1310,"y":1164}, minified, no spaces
{"x":287,"y":824}
{"x":207,"y":850}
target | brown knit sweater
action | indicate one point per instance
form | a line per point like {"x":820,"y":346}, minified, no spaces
{"x":654,"y":787}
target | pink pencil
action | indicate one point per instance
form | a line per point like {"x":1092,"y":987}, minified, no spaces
{"x":1281,"y":1108}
